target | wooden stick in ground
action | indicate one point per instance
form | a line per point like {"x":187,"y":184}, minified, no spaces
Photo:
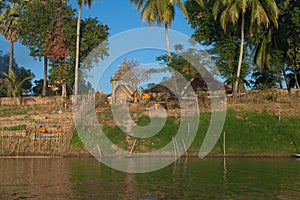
{"x":1,"y":144}
{"x":185,"y":150}
{"x":224,"y":144}
{"x":177,"y":147}
{"x":132,"y":148}
{"x":99,"y":150}
{"x":18,"y":147}
{"x":174,"y":148}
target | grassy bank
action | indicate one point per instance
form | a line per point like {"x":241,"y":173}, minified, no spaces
{"x":247,"y":133}
{"x":254,"y":133}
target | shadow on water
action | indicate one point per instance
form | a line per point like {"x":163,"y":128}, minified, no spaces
{"x":188,"y":178}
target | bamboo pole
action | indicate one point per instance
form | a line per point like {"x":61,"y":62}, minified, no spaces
{"x":18,"y":147}
{"x":176,"y":145}
{"x":132,"y":148}
{"x":174,"y":148}
{"x":224,"y":144}
{"x":99,"y":150}
{"x":185,"y":150}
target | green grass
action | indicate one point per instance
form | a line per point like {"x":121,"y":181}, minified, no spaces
{"x":76,"y":142}
{"x":255,"y":133}
{"x":14,"y":128}
{"x":246,"y":133}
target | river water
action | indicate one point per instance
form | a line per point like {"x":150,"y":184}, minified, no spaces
{"x":192,"y":178}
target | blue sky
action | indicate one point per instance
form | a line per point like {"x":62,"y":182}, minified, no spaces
{"x":119,"y":15}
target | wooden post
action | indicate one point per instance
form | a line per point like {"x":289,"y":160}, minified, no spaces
{"x":185,"y":150}
{"x":176,"y":145}
{"x":113,"y":85}
{"x":224,"y":144}
{"x":99,"y":150}
{"x":132,"y":148}
{"x":18,"y":147}
{"x":174,"y":148}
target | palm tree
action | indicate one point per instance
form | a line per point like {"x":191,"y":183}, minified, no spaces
{"x":270,"y":50}
{"x":161,"y":12}
{"x":261,"y":12}
{"x":13,"y":84}
{"x":9,"y":24}
{"x":87,"y":3}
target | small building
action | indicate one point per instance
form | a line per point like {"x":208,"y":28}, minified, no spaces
{"x":124,"y":94}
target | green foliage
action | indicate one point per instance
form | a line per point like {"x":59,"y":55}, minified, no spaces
{"x":14,"y":84}
{"x":93,"y":33}
{"x":40,"y":34}
{"x":76,"y":142}
{"x":159,"y":12}
{"x":277,"y":49}
{"x":223,"y":47}
{"x":10,"y":19}
{"x":21,"y":72}
{"x":264,"y":79}
{"x":36,"y":28}
{"x":38,"y":88}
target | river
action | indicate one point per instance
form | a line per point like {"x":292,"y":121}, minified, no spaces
{"x":192,"y":178}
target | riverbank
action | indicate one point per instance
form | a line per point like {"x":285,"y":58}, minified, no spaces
{"x":255,"y":126}
{"x":247,"y":134}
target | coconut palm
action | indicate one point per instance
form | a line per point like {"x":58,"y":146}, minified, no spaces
{"x":270,"y":49}
{"x":9,"y":24}
{"x":87,"y":3}
{"x":161,"y":12}
{"x":260,"y":12}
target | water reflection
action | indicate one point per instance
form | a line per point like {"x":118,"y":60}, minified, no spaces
{"x":34,"y":179}
{"x":190,"y":178}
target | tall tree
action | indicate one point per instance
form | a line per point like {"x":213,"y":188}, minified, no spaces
{"x":278,"y":49}
{"x":161,"y":12}
{"x":260,"y":12}
{"x":223,"y":47}
{"x":58,"y":46}
{"x":9,"y":24}
{"x":36,"y":28}
{"x":63,"y":69}
{"x":87,"y":3}
{"x":293,"y":40}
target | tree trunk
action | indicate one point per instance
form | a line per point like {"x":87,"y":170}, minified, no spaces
{"x":77,"y":53}
{"x":236,"y":84}
{"x":11,"y":58}
{"x":280,"y":80}
{"x":296,"y":78}
{"x":64,"y":90}
{"x":168,"y":41}
{"x":286,"y":80}
{"x":44,"y":92}
{"x":173,"y":74}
